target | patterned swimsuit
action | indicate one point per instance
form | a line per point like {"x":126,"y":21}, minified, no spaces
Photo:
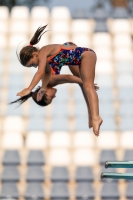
{"x":66,"y":56}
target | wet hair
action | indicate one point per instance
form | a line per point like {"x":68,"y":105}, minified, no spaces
{"x":21,"y":100}
{"x":25,"y":53}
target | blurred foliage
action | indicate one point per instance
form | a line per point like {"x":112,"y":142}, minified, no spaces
{"x":29,"y":3}
{"x":123,"y":3}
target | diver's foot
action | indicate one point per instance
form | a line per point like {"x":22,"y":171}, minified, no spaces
{"x":96,"y":125}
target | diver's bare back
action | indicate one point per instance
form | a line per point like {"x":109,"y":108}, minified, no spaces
{"x":52,"y":49}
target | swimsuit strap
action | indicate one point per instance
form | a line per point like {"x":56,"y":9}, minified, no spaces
{"x":50,"y":57}
{"x":52,"y":71}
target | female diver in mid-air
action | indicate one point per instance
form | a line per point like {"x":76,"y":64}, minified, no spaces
{"x":58,"y":55}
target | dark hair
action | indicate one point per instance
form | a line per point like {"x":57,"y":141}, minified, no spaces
{"x":21,"y":100}
{"x":26,"y":52}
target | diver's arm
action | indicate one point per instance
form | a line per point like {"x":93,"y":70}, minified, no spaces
{"x":46,"y":76}
{"x":37,"y":77}
{"x":41,"y":72}
{"x":63,"y":78}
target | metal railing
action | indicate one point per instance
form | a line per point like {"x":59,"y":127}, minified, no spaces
{"x":120,"y":164}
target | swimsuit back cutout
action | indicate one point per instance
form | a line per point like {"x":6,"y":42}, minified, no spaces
{"x":60,"y":49}
{"x":66,"y":56}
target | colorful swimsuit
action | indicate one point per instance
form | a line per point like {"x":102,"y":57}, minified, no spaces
{"x":66,"y":56}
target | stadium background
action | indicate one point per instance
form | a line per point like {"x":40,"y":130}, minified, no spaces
{"x":49,"y":153}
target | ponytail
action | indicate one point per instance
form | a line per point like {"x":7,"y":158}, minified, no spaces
{"x":26,"y":52}
{"x":37,"y":36}
{"x":22,"y":99}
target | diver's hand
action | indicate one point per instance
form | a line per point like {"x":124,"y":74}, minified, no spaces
{"x":24,"y":92}
{"x":40,"y":94}
{"x":96,"y":86}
